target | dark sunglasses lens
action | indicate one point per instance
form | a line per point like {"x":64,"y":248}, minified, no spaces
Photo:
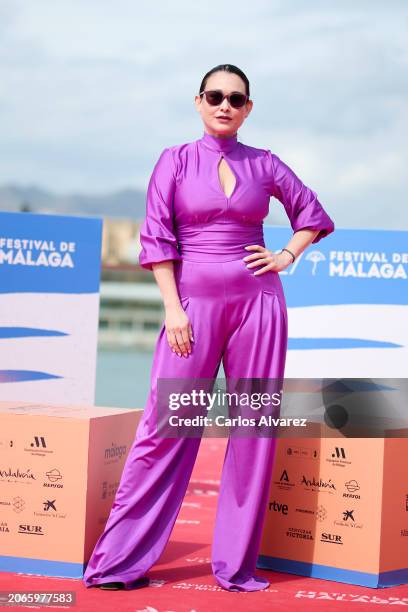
{"x":237,"y":100}
{"x":214,"y":97}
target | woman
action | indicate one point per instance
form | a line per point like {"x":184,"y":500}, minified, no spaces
{"x":203,"y":239}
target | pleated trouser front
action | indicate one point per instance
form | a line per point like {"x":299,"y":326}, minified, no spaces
{"x":241,"y":320}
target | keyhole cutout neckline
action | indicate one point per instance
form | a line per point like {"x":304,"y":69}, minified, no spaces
{"x":227,"y":179}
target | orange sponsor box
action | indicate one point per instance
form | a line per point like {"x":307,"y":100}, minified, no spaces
{"x":60,"y":467}
{"x":338,"y":509}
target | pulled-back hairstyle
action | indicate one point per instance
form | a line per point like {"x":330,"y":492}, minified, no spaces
{"x":225,"y":68}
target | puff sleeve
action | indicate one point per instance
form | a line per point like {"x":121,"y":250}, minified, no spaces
{"x":157,"y":236}
{"x":300,"y":202}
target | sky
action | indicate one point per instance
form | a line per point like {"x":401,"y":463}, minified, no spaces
{"x":91,"y":91}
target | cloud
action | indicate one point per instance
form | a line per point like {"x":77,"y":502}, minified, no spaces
{"x":93,"y":91}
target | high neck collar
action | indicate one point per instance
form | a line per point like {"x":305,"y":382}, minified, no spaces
{"x":221,"y":144}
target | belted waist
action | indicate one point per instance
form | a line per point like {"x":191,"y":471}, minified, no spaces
{"x":218,"y":241}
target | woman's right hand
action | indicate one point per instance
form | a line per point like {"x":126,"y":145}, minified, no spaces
{"x":178,"y":329}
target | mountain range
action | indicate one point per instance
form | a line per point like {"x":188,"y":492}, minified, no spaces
{"x":128,"y":203}
{"x":124,"y":203}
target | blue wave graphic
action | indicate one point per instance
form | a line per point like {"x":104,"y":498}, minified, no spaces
{"x":25,"y":332}
{"x":8,"y":376}
{"x":338,"y":343}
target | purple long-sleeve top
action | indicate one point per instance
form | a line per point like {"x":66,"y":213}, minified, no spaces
{"x":189,"y":216}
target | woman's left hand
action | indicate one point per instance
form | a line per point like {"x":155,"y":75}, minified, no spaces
{"x":269,"y":261}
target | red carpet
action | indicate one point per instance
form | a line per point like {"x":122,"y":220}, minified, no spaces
{"x":182,"y":580}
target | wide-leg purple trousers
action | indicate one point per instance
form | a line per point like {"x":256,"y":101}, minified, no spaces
{"x":240,"y":319}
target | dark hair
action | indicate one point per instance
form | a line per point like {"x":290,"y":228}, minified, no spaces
{"x":225,"y":68}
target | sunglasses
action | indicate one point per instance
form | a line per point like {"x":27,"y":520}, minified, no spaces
{"x":215,"y":97}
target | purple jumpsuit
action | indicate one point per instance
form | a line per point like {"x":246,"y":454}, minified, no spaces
{"x":236,"y":317}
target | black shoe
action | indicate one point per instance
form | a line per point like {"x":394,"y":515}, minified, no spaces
{"x":119,"y":586}
{"x":139,"y":583}
{"x":111,"y":586}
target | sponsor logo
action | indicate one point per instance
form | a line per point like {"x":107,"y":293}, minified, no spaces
{"x":340,"y":595}
{"x":50,"y":510}
{"x":4,"y":527}
{"x":277,"y":507}
{"x":284,"y":482}
{"x":300,"y":534}
{"x":6,"y":443}
{"x":364,"y":264}
{"x":304,"y":511}
{"x":31,"y":529}
{"x":314,"y":484}
{"x":320,"y":513}
{"x":39,"y":441}
{"x":302,"y":453}
{"x":18,"y":504}
{"x":349,"y":520}
{"x":338,"y":457}
{"x":348,"y":514}
{"x":109,"y":489}
{"x":114,"y":452}
{"x":38,"y":447}
{"x":352,"y":487}
{"x":53,"y":477}
{"x":198,"y":560}
{"x":315,"y":257}
{"x":16,"y":475}
{"x":49,"y":505}
{"x":331,"y":538}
